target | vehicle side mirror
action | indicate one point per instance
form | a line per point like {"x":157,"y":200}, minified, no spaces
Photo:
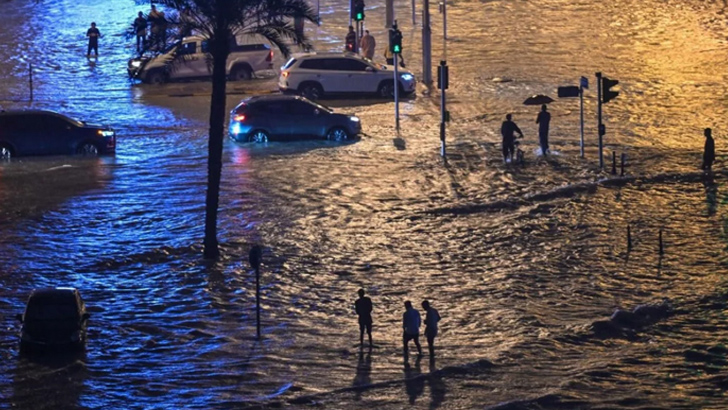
{"x":19,"y":316}
{"x":86,"y":316}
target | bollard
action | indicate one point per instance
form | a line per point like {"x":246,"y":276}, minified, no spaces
{"x":629,"y":239}
{"x":624,"y":159}
{"x":614,"y":163}
{"x":662,"y":249}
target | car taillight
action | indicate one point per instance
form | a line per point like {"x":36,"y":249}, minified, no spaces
{"x":270,"y":56}
{"x":284,"y":74}
{"x":239,"y":117}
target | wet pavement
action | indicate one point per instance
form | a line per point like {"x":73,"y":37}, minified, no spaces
{"x":521,"y":262}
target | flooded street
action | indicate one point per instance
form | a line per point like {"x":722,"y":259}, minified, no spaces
{"x":525,"y":265}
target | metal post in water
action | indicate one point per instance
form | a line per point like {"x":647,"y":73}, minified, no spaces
{"x":443,"y":10}
{"x":389,"y":13}
{"x":442,"y":80}
{"x":414,"y":22}
{"x":396,"y":90}
{"x":581,"y":116}
{"x":30,"y":79}
{"x":624,"y":159}
{"x":255,"y":257}
{"x":614,"y":162}
{"x":629,"y":239}
{"x":662,"y":249}
{"x":426,"y":44}
{"x":599,"y":116}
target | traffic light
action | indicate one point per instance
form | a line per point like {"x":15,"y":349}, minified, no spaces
{"x":359,"y":11}
{"x":607,"y":94}
{"x":395,"y":41}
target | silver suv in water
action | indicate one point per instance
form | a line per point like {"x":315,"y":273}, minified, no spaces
{"x":314,"y":75}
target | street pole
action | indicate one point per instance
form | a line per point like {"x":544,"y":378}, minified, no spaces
{"x":30,"y":79}
{"x":255,"y":257}
{"x":414,"y":22}
{"x":599,"y":116}
{"x":351,"y":10}
{"x":396,"y":91}
{"x":426,"y":44}
{"x":442,"y":79}
{"x":389,"y":14}
{"x":356,"y":37}
{"x":443,"y":10}
{"x":581,"y":113}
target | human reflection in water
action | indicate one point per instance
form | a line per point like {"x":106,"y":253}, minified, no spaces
{"x":437,"y":386}
{"x":363,"y":372}
{"x":711,"y":193}
{"x":50,"y":381}
{"x":414,"y":383}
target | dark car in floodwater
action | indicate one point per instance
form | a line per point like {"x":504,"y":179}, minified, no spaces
{"x":54,"y":319}
{"x":40,"y":132}
{"x":289,"y":117}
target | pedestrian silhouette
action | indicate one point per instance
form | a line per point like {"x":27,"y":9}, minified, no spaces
{"x":411,"y":325}
{"x":709,"y":150}
{"x":351,"y":40}
{"x":140,"y":29}
{"x":414,"y":383}
{"x":543,"y":119}
{"x":93,"y":35}
{"x":368,"y":44}
{"x":508,"y":128}
{"x":363,"y":307}
{"x":431,"y":319}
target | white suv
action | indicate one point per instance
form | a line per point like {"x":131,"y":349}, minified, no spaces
{"x":314,"y":74}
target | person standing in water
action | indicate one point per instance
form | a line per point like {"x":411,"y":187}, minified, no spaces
{"x":363,"y":307}
{"x":93,"y":35}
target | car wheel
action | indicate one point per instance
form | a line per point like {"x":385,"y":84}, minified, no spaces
{"x":337,"y":134}
{"x":87,"y":149}
{"x":386,"y":89}
{"x":240,"y":74}
{"x":156,"y":77}
{"x":5,"y":153}
{"x":258,"y":137}
{"x":312,"y":91}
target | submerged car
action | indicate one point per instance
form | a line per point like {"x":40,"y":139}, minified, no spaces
{"x":288,"y":117}
{"x":54,"y":319}
{"x":39,"y":132}
{"x":315,"y":75}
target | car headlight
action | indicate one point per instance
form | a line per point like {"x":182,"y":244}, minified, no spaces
{"x":407,"y":77}
{"x":105,"y":133}
{"x":355,"y":119}
{"x":136,"y":63}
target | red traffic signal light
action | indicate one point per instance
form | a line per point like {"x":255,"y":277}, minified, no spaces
{"x":607,"y":94}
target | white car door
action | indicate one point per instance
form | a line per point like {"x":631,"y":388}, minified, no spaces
{"x":189,"y":62}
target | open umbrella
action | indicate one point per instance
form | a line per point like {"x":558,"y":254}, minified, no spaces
{"x":538,"y":99}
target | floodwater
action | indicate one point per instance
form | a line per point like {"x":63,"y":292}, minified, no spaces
{"x":525,"y":265}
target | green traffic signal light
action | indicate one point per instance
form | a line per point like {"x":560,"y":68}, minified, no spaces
{"x":359,"y":16}
{"x":397,"y":48}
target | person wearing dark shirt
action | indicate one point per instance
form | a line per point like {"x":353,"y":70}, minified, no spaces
{"x":93,"y":35}
{"x":363,"y":307}
{"x":431,"y":319}
{"x":351,"y":40}
{"x":508,"y":128}
{"x":543,"y":120}
{"x":140,"y":29}
{"x":709,"y":150}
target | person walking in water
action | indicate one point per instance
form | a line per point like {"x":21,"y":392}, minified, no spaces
{"x":93,"y":35}
{"x":411,"y":321}
{"x":708,"y":150}
{"x":431,"y":319}
{"x":140,"y":29}
{"x":368,"y":44}
{"x":543,"y":119}
{"x":363,"y":307}
{"x":507,"y":129}
{"x":351,"y":40}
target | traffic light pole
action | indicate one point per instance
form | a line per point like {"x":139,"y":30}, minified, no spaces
{"x":581,"y":116}
{"x":414,"y":22}
{"x":442,"y":80}
{"x":599,"y":116}
{"x":426,"y":44}
{"x":396,"y":92}
{"x":389,"y":14}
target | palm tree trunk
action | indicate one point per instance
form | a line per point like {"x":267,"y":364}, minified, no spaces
{"x":214,"y":159}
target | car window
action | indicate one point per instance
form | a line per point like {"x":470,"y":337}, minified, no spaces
{"x":51,"y":312}
{"x":272,"y":107}
{"x":313,"y":64}
{"x":302,"y":108}
{"x":205,"y":46}
{"x":187,"y":48}
{"x":44,"y":123}
{"x":335,"y":64}
{"x":349,"y":64}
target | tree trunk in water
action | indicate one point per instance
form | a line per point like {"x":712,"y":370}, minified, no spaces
{"x":214,"y":159}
